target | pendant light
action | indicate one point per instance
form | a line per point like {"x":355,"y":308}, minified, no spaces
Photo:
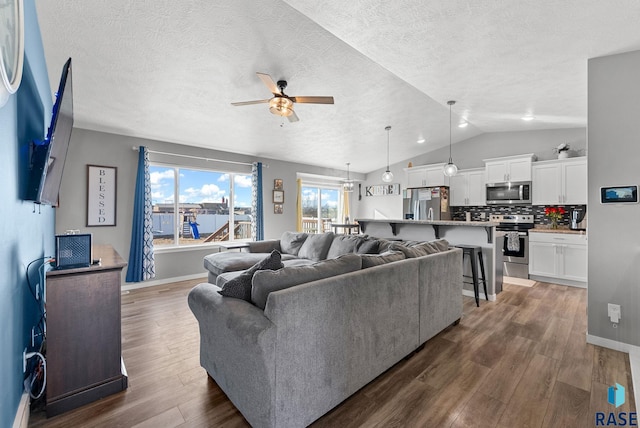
{"x":450,"y":169}
{"x":387,"y":176}
{"x":347,"y":185}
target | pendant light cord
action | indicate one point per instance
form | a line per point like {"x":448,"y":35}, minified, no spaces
{"x":450,"y":104}
{"x":388,"y":129}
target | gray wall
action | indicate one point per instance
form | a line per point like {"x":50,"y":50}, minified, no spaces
{"x":98,"y":148}
{"x":469,"y":154}
{"x":614,"y":235}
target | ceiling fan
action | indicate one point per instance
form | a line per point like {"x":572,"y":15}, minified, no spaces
{"x":282,"y":104}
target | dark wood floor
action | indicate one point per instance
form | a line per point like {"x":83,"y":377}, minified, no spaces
{"x":519,"y":362}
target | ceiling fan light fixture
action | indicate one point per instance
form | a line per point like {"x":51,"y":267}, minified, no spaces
{"x":281,"y":106}
{"x":450,"y":169}
{"x":387,"y":176}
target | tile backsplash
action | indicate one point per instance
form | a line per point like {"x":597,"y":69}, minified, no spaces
{"x":458,"y":213}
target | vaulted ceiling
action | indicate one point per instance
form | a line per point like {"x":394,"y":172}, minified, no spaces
{"x":169,"y":70}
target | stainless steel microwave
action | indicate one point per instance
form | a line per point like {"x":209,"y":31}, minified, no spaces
{"x":514,"y":193}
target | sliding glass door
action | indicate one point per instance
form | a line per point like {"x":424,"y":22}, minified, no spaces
{"x":321,"y":206}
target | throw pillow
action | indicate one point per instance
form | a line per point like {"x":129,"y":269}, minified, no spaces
{"x":290,"y":242}
{"x":418,"y":249}
{"x":368,"y":246}
{"x":344,"y":244}
{"x":316,"y":246}
{"x":265,"y":282}
{"x":240,"y":286}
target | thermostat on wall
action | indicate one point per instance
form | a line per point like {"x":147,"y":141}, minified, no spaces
{"x":619,"y":194}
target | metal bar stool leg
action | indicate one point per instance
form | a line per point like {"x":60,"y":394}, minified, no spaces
{"x":474,"y":274}
{"x":484,"y":277}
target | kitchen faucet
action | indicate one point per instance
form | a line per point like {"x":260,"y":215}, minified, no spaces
{"x":430,"y":214}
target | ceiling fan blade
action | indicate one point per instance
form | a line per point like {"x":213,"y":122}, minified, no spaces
{"x":294,"y":117}
{"x":246,"y":103}
{"x":313,"y":100}
{"x":269,"y":83}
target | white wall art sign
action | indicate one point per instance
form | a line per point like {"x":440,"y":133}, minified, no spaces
{"x":382,"y":189}
{"x":101,"y":195}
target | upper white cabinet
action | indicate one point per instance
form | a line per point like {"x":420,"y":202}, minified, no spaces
{"x":510,"y":168}
{"x":467,"y":188}
{"x":560,"y":182}
{"x":426,"y":175}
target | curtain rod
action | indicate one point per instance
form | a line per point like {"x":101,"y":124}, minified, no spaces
{"x":199,"y":158}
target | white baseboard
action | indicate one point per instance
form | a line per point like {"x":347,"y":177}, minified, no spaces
{"x":612,"y":344}
{"x":22,"y":414}
{"x":145,"y":284}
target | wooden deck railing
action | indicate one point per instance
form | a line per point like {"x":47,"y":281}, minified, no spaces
{"x":310,"y":225}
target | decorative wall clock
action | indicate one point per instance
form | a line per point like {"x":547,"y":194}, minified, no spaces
{"x":11,"y":47}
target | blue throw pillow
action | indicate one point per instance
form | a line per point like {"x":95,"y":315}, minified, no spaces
{"x":240,"y":286}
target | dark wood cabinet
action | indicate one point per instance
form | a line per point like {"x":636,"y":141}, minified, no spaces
{"x":84,"y":360}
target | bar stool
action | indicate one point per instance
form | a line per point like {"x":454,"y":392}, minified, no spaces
{"x":474,"y":251}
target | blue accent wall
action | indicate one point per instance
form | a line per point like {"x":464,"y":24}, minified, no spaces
{"x":26,"y":231}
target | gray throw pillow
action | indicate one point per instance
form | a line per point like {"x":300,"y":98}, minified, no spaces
{"x":265,"y":282}
{"x":290,"y":242}
{"x":344,"y":244}
{"x":413,"y":249}
{"x":371,"y":260}
{"x":368,"y":246}
{"x":316,"y":246}
{"x":240,"y":286}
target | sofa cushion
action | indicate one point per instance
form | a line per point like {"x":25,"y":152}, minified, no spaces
{"x":371,"y":260}
{"x":290,"y":242}
{"x":418,"y":249}
{"x":344,"y":244}
{"x":368,"y":246}
{"x":225,"y":277}
{"x":240,"y":286}
{"x":297,"y":262}
{"x":384,"y":245}
{"x":265,"y":282}
{"x":230,"y":261}
{"x":316,"y":246}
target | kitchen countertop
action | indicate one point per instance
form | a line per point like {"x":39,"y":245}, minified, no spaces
{"x":565,"y":230}
{"x":430,"y":222}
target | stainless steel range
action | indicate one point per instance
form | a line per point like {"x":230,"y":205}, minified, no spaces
{"x":512,"y":235}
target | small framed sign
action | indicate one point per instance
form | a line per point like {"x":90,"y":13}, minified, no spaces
{"x":101,"y":195}
{"x":278,"y":196}
{"x":619,"y":194}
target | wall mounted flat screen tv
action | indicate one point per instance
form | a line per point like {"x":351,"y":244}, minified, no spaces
{"x":619,"y":194}
{"x":48,"y":156}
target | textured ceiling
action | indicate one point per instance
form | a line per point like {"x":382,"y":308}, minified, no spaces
{"x":168,"y":70}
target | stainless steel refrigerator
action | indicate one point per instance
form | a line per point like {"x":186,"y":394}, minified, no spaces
{"x":426,"y":203}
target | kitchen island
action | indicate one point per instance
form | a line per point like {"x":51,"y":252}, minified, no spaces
{"x":480,"y":233}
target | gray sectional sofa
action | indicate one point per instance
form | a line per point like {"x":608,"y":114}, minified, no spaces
{"x":295,"y":351}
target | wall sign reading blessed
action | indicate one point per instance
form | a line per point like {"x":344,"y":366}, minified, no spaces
{"x":101,"y":195}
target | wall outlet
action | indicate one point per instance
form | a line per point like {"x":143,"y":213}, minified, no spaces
{"x":614,"y":312}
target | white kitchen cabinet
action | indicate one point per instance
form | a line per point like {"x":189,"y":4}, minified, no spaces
{"x":467,"y":188}
{"x":560,"y":182}
{"x":509,"y":169}
{"x":426,"y":175}
{"x":558,"y":256}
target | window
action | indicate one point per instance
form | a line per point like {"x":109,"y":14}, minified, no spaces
{"x":320,"y":207}
{"x":208,"y":203}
